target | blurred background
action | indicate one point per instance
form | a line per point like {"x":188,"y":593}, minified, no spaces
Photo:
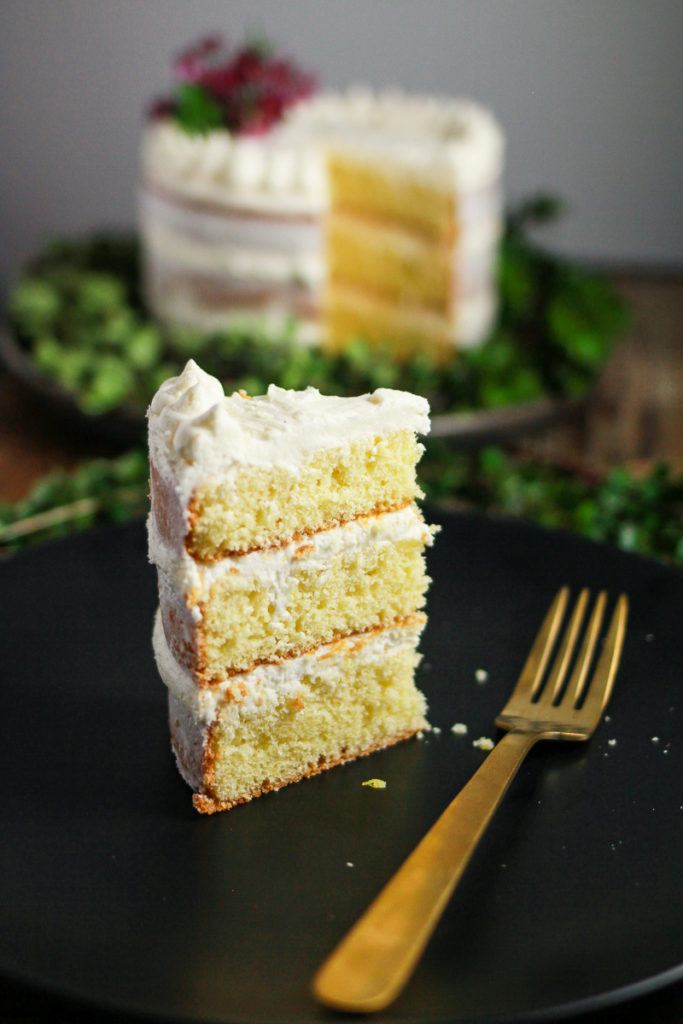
{"x":589,"y":95}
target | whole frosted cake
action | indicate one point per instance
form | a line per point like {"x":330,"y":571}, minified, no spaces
{"x":371,"y":214}
{"x":290,"y":558}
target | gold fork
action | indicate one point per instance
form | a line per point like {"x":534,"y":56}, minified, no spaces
{"x":374,"y":961}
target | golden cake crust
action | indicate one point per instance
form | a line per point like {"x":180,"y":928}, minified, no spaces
{"x":206,"y":803}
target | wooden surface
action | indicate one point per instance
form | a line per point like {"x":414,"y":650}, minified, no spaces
{"x":636,"y":412}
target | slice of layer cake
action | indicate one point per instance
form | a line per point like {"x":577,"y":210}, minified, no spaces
{"x":290,"y":557}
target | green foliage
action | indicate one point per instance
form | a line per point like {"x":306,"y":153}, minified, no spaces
{"x":196,"y":111}
{"x":77,"y":313}
{"x":101,"y":490}
{"x":643,"y":514}
{"x":560,"y":313}
{"x":637,"y":513}
{"x":79,"y":316}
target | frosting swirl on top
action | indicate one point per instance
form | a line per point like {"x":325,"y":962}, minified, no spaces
{"x":196,"y":431}
{"x":457,"y":142}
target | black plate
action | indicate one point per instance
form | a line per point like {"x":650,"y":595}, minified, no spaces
{"x":115,"y":891}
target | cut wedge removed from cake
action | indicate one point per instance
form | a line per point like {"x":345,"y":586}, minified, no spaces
{"x":364,"y":213}
{"x":290,"y":556}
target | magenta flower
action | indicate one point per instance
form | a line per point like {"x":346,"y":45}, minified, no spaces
{"x":246,"y":91}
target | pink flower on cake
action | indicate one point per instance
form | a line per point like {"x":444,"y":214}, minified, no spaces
{"x":246,"y":90}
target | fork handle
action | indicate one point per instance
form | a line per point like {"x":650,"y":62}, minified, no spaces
{"x":373,"y":962}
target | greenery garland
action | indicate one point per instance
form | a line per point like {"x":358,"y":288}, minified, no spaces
{"x":79,"y":317}
{"x":637,"y":513}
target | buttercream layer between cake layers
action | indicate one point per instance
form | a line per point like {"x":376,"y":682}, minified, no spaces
{"x":219,"y":268}
{"x":224,"y":616}
{"x":280,"y":722}
{"x":233,"y":473}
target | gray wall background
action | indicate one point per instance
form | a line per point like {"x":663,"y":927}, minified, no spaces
{"x":589,"y":92}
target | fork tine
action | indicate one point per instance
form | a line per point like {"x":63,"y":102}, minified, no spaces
{"x":564,"y":655}
{"x":600,"y":689}
{"x":577,"y":683}
{"x":531,"y":675}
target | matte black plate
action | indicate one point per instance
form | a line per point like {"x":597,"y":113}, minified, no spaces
{"x":114,"y":890}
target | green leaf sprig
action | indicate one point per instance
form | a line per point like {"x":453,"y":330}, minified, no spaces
{"x":79,"y":316}
{"x":642,"y":513}
{"x":196,"y":111}
{"x":61,"y":503}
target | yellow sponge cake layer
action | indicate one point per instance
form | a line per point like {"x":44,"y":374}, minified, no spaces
{"x":280,"y":601}
{"x":392,"y":193}
{"x":257,"y":509}
{"x":354,"y":312}
{"x":396,"y":265}
{"x":231,"y":474}
{"x":280,"y":723}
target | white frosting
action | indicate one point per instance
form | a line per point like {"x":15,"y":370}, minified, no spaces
{"x":226,"y":243}
{"x":458,"y":144}
{"x":187,"y":584}
{"x":242,"y":263}
{"x":266,"y":686}
{"x":197,"y":432}
{"x":175,"y":300}
{"x":265,"y":173}
{"x":474,"y":315}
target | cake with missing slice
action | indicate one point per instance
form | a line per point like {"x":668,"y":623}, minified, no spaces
{"x":290,"y":557}
{"x":265,"y":205}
